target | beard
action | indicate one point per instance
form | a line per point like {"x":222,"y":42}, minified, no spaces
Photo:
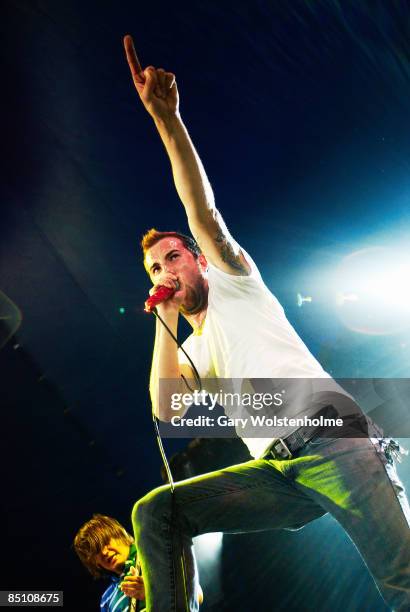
{"x":196,"y":298}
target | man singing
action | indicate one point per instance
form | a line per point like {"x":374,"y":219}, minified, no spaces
{"x":240,"y":331}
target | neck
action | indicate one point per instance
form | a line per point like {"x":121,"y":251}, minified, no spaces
{"x":197,"y":313}
{"x":196,"y":320}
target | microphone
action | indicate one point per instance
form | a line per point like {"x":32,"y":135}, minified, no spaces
{"x":161,"y":294}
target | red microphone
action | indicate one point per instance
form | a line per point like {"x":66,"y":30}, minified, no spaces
{"x":161,"y":294}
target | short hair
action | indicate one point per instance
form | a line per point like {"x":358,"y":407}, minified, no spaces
{"x":153,"y":236}
{"x":93,"y":536}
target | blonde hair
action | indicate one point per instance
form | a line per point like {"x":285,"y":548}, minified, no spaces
{"x":93,"y":536}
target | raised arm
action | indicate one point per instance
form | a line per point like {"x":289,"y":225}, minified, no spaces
{"x":158,"y":92}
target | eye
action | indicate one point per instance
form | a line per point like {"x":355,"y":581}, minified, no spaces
{"x":174,"y":255}
{"x":154,"y":269}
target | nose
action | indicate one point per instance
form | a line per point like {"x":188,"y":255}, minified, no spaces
{"x":169,"y":268}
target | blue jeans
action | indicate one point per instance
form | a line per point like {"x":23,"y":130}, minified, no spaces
{"x":352,"y":478}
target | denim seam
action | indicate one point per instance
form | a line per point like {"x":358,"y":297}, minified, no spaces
{"x":172,"y":572}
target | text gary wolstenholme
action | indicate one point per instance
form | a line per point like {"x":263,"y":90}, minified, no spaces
{"x":255,"y":420}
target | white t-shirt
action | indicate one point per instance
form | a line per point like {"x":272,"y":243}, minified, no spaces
{"x":246,"y":335}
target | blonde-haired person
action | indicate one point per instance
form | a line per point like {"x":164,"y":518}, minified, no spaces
{"x":106,"y":549}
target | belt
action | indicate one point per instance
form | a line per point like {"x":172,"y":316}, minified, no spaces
{"x":286,"y":448}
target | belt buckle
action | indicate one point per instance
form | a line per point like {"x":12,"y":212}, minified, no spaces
{"x":280,"y":449}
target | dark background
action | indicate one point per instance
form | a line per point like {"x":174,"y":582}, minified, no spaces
{"x":299,"y":111}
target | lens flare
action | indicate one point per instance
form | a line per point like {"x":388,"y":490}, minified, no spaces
{"x":374,"y":291}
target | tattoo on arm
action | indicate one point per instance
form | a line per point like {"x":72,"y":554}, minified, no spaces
{"x":227,"y":253}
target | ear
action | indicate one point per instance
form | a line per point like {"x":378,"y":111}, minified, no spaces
{"x":202,"y":262}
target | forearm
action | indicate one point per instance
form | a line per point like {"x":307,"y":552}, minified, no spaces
{"x":205,"y":222}
{"x":190,"y":178}
{"x":158,"y":92}
{"x":165,"y":377}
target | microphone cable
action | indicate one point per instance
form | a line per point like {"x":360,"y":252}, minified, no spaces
{"x":197,"y":378}
{"x":198,"y":383}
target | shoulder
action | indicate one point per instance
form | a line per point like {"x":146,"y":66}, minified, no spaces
{"x":108,"y":595}
{"x":217,"y":274}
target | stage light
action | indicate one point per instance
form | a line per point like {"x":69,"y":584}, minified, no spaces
{"x":373,"y":290}
{"x":121,"y":310}
{"x":346,"y":297}
{"x":208,"y":552}
{"x":300,"y":299}
{"x":208,"y":547}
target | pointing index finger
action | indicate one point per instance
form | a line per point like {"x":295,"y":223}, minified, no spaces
{"x":132,"y":59}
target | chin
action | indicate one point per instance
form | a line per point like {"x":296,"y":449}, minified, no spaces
{"x":194,"y":305}
{"x":190,"y":309}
